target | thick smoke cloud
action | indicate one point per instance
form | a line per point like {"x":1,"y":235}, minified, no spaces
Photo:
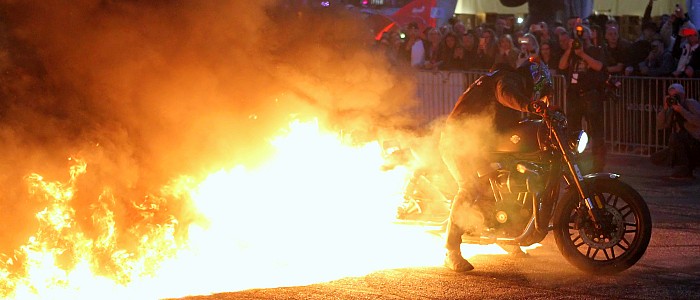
{"x":145,"y":91}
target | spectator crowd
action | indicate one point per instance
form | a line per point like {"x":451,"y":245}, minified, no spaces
{"x":665,"y":48}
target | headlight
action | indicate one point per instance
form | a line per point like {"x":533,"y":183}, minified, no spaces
{"x":580,"y":142}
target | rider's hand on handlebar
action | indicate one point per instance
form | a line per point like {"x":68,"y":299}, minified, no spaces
{"x":537,"y":107}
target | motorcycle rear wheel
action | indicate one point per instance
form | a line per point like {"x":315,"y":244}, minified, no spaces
{"x":593,"y":251}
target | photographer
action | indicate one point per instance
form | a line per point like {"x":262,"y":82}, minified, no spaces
{"x":682,"y":116}
{"x":586,"y":75}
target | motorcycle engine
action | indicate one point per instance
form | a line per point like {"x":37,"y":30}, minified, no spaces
{"x":524,"y":178}
{"x":514,"y":189}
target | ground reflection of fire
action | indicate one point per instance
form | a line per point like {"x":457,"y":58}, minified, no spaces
{"x":318,"y":210}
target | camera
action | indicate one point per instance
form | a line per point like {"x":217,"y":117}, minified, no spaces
{"x":672,"y":100}
{"x":578,"y":36}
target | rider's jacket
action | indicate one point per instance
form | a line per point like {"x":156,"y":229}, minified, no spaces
{"x":504,"y":93}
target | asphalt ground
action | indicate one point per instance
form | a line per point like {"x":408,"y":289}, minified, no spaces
{"x":670,"y":268}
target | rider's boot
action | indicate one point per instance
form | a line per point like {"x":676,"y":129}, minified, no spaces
{"x":453,"y":258}
{"x":455,"y":262}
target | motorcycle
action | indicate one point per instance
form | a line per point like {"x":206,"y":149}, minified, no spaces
{"x":600,"y":223}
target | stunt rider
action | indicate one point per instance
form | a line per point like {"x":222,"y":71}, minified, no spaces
{"x":490,"y":105}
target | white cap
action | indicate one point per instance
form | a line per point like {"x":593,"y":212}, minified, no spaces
{"x":678,"y":87}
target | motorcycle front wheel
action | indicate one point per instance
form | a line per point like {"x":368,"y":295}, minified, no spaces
{"x":603,"y":251}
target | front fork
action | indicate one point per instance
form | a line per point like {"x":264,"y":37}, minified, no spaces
{"x":594,"y":204}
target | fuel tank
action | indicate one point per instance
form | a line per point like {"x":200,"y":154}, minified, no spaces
{"x":522,"y":138}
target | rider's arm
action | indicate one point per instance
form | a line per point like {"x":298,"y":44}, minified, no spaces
{"x":510,"y":92}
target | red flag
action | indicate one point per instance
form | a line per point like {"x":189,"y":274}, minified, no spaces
{"x":418,"y":11}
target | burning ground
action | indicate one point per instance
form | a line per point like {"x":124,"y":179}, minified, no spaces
{"x":156,"y":143}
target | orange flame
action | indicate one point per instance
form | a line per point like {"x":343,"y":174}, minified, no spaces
{"x":318,"y":210}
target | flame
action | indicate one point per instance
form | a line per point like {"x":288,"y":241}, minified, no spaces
{"x":318,"y":210}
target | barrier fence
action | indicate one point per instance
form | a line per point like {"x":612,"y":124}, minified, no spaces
{"x":629,"y":122}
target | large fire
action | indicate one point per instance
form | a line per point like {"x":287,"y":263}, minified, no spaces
{"x":318,"y":210}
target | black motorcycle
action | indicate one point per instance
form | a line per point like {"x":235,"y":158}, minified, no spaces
{"x":600,"y":224}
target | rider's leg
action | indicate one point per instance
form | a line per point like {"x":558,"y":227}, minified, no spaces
{"x":458,"y":219}
{"x":453,"y":257}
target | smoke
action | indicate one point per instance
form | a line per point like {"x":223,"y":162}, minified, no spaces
{"x":146,"y":91}
{"x":465,"y":143}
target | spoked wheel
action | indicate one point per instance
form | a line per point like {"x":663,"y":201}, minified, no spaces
{"x":611,"y":248}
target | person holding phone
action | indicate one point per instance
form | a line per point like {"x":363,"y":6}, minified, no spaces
{"x":529,"y":48}
{"x":685,"y":49}
{"x":486,"y":51}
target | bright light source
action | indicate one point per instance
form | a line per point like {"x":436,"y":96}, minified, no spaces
{"x":520,"y":20}
{"x":325,"y":3}
{"x":582,"y":142}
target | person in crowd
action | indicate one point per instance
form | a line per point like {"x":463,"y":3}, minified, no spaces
{"x":478,"y":32}
{"x":444,"y":29}
{"x":518,"y":33}
{"x":584,"y":67}
{"x":682,"y":116}
{"x":490,"y":105}
{"x":670,"y":28}
{"x":616,"y":51}
{"x":564,"y":38}
{"x":559,"y":30}
{"x":572,"y":22}
{"x":459,"y":28}
{"x":424,"y":33}
{"x":502,"y":27}
{"x":545,"y":34}
{"x":537,"y":30}
{"x":432,"y":50}
{"x":486,"y":49}
{"x":548,"y":57}
{"x":611,"y":22}
{"x":659,"y":63}
{"x":597,"y":36}
{"x":529,"y":48}
{"x":470,"y":47}
{"x":389,"y":45}
{"x":686,"y":51}
{"x":451,"y":53}
{"x":649,"y":31}
{"x":507,"y":53}
{"x":412,"y":51}
{"x":636,"y":53}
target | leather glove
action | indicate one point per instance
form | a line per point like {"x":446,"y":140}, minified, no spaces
{"x":537,"y":107}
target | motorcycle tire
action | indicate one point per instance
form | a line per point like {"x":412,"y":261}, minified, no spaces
{"x":597,"y":252}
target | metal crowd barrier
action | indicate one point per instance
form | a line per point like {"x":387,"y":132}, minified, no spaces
{"x":629,"y":122}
